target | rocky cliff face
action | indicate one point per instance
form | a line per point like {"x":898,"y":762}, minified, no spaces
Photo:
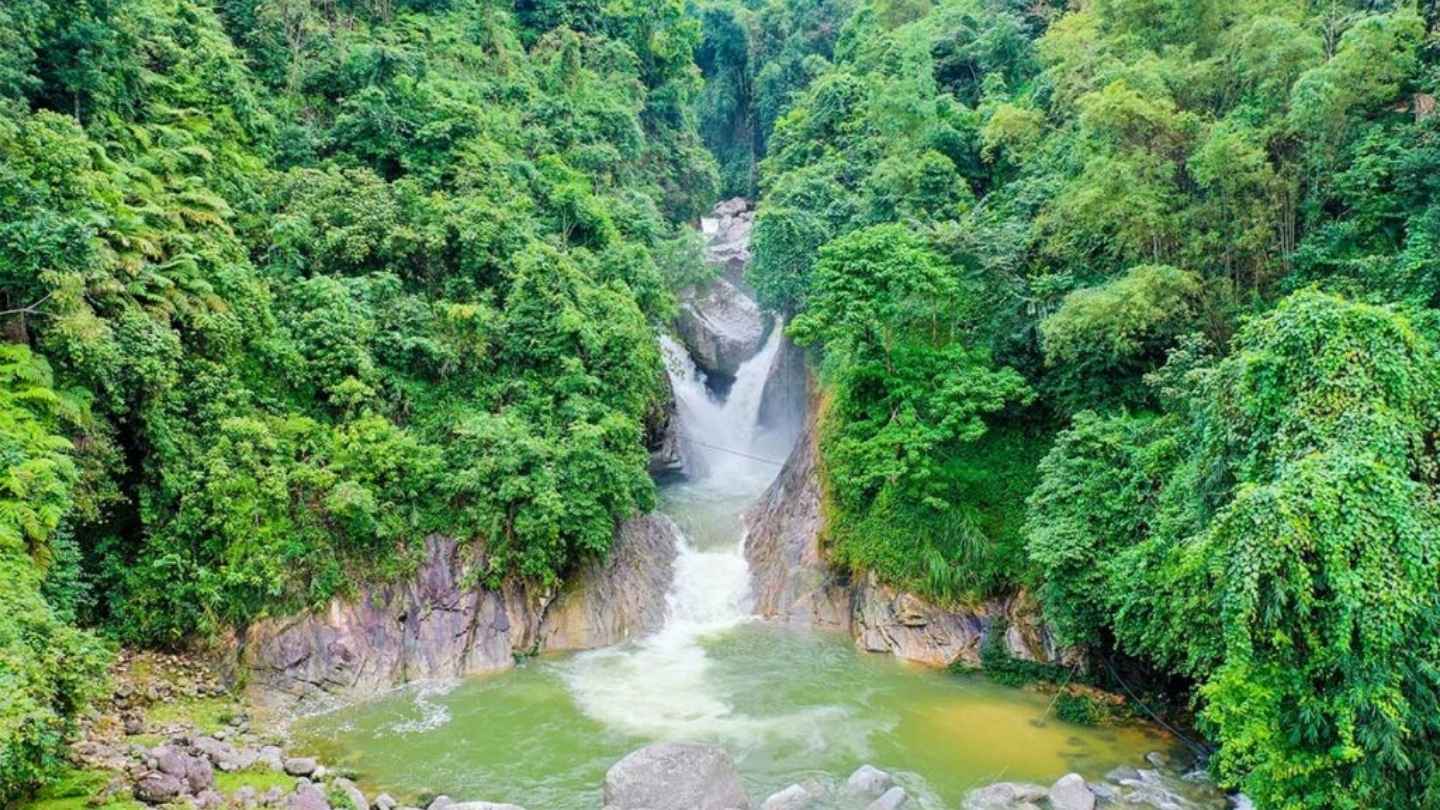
{"x":792,"y":582}
{"x":433,"y":626}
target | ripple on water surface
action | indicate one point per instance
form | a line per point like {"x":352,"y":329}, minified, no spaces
{"x":788,"y":705}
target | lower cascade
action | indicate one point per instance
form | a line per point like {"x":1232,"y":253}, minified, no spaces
{"x":791,"y":711}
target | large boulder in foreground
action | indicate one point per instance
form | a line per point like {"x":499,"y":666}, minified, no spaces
{"x":675,"y":776}
{"x":721,"y":326}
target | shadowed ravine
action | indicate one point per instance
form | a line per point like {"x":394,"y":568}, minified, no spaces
{"x":790,"y":705}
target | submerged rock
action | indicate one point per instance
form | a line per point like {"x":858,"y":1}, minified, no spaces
{"x":1125,"y":787}
{"x":1002,"y":795}
{"x":794,"y":797}
{"x":675,"y":776}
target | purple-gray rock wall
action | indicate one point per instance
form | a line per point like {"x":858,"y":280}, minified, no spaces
{"x":794,"y":583}
{"x":432,"y":626}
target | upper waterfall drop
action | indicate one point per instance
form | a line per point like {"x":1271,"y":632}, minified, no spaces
{"x":721,"y":439}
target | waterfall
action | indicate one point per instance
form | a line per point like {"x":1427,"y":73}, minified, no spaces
{"x":721,"y":440}
{"x":658,"y":686}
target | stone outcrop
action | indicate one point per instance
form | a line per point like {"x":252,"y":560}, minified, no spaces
{"x":1127,"y":787}
{"x":790,"y":580}
{"x":785,"y":398}
{"x":432,"y":626}
{"x":793,"y":583}
{"x":721,"y":326}
{"x":675,"y":776}
{"x":719,"y":322}
{"x":727,"y":234}
{"x":620,"y":598}
{"x":662,"y":436}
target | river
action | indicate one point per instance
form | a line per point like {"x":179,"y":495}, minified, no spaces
{"x":790,"y":705}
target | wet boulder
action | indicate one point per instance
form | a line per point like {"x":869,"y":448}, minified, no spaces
{"x":1071,"y":792}
{"x":870,"y":781}
{"x":675,"y":776}
{"x":721,"y":326}
{"x":892,"y":799}
{"x":794,"y":797}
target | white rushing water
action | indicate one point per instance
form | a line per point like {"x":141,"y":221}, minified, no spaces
{"x":659,"y":685}
{"x":726,"y":451}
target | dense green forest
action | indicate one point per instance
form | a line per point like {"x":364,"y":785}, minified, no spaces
{"x":288,"y":286}
{"x":1130,"y":303}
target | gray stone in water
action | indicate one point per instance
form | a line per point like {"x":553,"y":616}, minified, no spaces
{"x":385,"y":802}
{"x":440,"y":802}
{"x":869,"y":780}
{"x":794,"y":797}
{"x":1104,"y":791}
{"x":1123,"y":773}
{"x":300,"y":766}
{"x":1004,"y":795}
{"x":352,"y":793}
{"x":892,"y":799}
{"x":1071,"y":792}
{"x":1158,"y":759}
{"x":675,"y":776}
{"x":207,"y":799}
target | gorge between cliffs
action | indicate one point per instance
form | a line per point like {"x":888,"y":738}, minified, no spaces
{"x":716,"y":619}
